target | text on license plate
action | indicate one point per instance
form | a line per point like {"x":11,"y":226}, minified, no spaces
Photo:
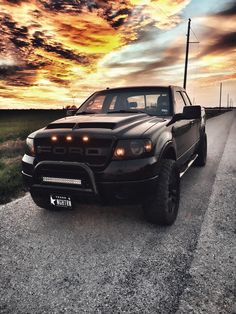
{"x":60,"y":201}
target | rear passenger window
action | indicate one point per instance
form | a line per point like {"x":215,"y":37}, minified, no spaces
{"x":158,"y":103}
{"x":179,"y":103}
{"x":186,"y":99}
{"x":136,"y":102}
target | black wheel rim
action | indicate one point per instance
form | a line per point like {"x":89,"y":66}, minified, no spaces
{"x":173,"y":197}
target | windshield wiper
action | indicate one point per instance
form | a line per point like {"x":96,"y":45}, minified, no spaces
{"x":85,"y":112}
{"x":126,"y":111}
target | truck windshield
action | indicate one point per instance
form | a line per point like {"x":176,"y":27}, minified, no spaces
{"x":153,"y":101}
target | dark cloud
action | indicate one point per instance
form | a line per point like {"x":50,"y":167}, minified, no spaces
{"x":169,"y":57}
{"x":19,"y":43}
{"x":8,"y":70}
{"x":219,"y":41}
{"x":16,"y":1}
{"x":21,"y":32}
{"x":107,"y":9}
{"x":74,"y":5}
{"x":7,"y":21}
{"x":230,"y":11}
{"x":59,"y":81}
{"x":17,"y":35}
{"x":66,"y":53}
{"x":149,"y":34}
{"x":39,"y":41}
{"x":36,"y":13}
{"x":222,"y":43}
{"x":113,"y":17}
{"x":14,"y":75}
{"x":62,"y":5}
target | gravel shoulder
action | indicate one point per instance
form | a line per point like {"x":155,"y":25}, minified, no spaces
{"x":211,"y":287}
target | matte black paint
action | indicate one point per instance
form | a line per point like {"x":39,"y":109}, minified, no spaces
{"x":109,"y":179}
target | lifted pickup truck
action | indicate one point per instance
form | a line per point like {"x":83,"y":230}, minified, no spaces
{"x":128,"y":145}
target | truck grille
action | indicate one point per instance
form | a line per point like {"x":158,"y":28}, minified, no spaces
{"x":95,"y":153}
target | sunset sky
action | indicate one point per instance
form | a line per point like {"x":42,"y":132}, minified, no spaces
{"x":55,"y":53}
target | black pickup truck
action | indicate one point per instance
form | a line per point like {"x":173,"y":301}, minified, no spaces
{"x":126,"y":145}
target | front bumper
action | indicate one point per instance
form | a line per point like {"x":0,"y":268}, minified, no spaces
{"x":122,"y":181}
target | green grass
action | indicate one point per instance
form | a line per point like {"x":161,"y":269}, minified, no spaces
{"x":15,"y":126}
{"x":20,"y":123}
{"x":11,"y":184}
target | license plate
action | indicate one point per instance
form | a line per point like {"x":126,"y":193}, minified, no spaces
{"x":60,"y":201}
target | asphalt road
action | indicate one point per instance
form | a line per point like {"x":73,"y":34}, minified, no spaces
{"x":110,"y":260}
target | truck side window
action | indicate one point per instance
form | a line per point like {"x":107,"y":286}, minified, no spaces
{"x":179,"y":103}
{"x":186,"y":99}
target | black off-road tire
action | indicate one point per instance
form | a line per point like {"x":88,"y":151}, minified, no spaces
{"x":202,"y":151}
{"x":162,"y":207}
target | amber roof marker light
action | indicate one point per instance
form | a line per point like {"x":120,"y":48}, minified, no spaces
{"x":54,"y":138}
{"x":85,"y":138}
{"x":69,"y":138}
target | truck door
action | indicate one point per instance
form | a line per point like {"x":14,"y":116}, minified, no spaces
{"x":182,"y":131}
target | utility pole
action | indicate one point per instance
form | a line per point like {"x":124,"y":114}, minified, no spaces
{"x":228,"y":100}
{"x":220,"y":95}
{"x":187,"y":51}
{"x":186,"y":55}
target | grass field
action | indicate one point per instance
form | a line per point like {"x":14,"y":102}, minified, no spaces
{"x":19,"y":123}
{"x":15,"y":126}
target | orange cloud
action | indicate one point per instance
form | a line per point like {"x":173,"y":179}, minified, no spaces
{"x":53,"y":50}
{"x":51,"y":44}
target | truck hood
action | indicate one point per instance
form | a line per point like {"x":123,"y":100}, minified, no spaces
{"x":120,"y":124}
{"x":102,"y":131}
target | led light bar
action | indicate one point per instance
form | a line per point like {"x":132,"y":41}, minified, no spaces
{"x":62,"y":180}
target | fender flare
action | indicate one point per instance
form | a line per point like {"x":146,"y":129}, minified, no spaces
{"x":168,"y":145}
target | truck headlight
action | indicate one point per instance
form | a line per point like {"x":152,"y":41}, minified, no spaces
{"x":129,"y":149}
{"x":30,"y":147}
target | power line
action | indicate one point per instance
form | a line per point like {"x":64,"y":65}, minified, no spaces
{"x":194,"y":34}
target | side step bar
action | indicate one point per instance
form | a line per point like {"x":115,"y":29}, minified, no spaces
{"x":188,"y":165}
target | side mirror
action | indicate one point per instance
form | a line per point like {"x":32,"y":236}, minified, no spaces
{"x":192,"y":112}
{"x":70,"y":112}
{"x":189,"y":112}
{"x":176,"y":117}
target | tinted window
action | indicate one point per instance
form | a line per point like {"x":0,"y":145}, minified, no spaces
{"x":95,"y":105}
{"x":179,"y":103}
{"x":136,"y":102}
{"x":153,"y":101}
